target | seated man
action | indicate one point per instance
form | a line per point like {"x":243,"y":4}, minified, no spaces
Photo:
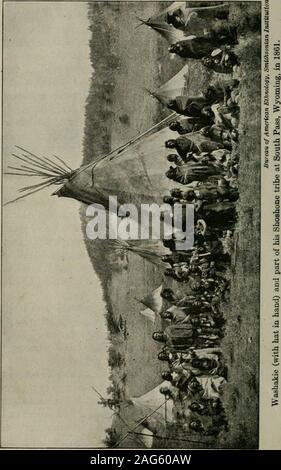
{"x":207,"y":407}
{"x":181,"y":337}
{"x":178,"y":257}
{"x":197,"y":20}
{"x":193,"y":303}
{"x":176,"y":159}
{"x":196,"y":366}
{"x":197,"y":426}
{"x":182,"y":145}
{"x":189,"y":147}
{"x":220,"y":134}
{"x":220,"y":214}
{"x":176,"y":337}
{"x":191,"y":124}
{"x":214,"y":12}
{"x":175,"y":315}
{"x":177,"y":379}
{"x":213,"y":191}
{"x":226,"y":116}
{"x":177,"y":127}
{"x":190,"y":172}
{"x":197,"y":47}
{"x":169,"y":392}
{"x":169,"y":200}
{"x":206,"y":386}
{"x":209,"y":146}
{"x":190,"y":106}
{"x":221,"y":61}
{"x":180,"y":272}
{"x":204,"y":192}
{"x":182,"y":360}
{"x":176,"y":19}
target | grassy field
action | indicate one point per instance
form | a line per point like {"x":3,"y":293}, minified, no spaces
{"x":242,"y":354}
{"x":127,"y":60}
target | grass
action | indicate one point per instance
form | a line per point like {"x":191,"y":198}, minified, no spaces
{"x":126,"y":60}
{"x":242,"y":355}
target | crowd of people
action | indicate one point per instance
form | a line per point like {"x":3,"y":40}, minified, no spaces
{"x":203,"y":161}
{"x":209,"y":36}
{"x":197,"y":281}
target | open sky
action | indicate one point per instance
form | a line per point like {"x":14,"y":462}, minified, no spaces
{"x":54,"y":334}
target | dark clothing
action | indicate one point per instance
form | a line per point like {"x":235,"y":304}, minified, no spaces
{"x":190,"y":172}
{"x":184,"y":145}
{"x":222,"y":63}
{"x":196,"y":47}
{"x":189,"y":106}
{"x":220,"y":12}
{"x":204,"y":364}
{"x":207,"y":194}
{"x":213,"y":192}
{"x":179,"y":257}
{"x":198,"y":20}
{"x":179,"y":337}
{"x":218,"y":215}
{"x":218,"y":134}
{"x":176,"y":19}
{"x":192,"y":124}
{"x":194,"y":304}
{"x":209,"y":146}
{"x":181,"y":383}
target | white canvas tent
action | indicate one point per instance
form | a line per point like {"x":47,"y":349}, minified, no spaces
{"x":196,"y":20}
{"x":159,"y":23}
{"x":153,"y":399}
{"x":153,"y":303}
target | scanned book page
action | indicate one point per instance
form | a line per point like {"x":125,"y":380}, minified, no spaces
{"x":141,"y":225}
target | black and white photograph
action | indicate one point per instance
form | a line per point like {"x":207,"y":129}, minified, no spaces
{"x":131,"y":224}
